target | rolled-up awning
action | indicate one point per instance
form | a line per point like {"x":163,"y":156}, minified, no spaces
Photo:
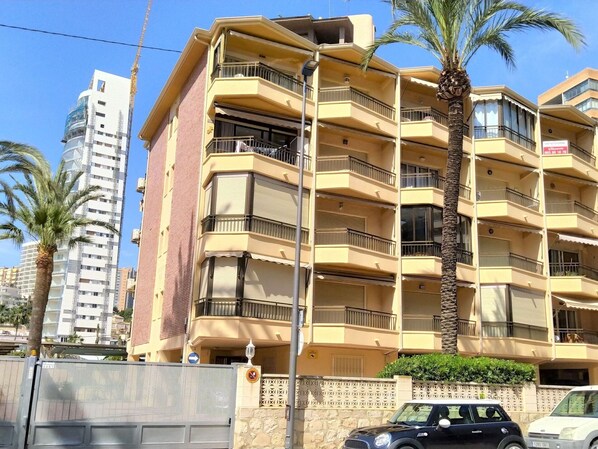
{"x":576,"y":239}
{"x":388,"y":282}
{"x":281,"y":121}
{"x":277,"y":260}
{"x":577,"y":304}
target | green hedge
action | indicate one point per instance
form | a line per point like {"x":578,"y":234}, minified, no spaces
{"x":455,"y":368}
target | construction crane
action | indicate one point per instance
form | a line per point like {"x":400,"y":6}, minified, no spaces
{"x":135,"y":66}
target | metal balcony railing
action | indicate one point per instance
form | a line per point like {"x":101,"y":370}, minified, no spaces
{"x":511,"y":195}
{"x":244,"y":307}
{"x":334,"y":94}
{"x":500,"y":131}
{"x":354,"y":316}
{"x":352,"y":164}
{"x":249,"y":144}
{"x":251,"y":223}
{"x":434,"y":249}
{"x":427,"y":323}
{"x":511,"y":260}
{"x":572,"y":269}
{"x":576,"y":335}
{"x":515,"y":330}
{"x":571,"y":207}
{"x":351,"y":237}
{"x":428,"y":114}
{"x":582,"y":154}
{"x":430,"y":180}
{"x":263,"y":71}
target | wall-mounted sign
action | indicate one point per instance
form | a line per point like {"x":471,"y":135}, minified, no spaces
{"x":193,"y":358}
{"x":252,"y":375}
{"x":555,"y":147}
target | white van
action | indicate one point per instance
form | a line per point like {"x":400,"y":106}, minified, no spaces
{"x":573,"y":424}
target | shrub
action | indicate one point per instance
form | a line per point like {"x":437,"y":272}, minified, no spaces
{"x":455,"y":368}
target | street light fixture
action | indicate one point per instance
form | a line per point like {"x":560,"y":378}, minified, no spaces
{"x":309,"y":67}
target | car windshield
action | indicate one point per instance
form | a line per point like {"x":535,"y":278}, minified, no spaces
{"x":412,"y":414}
{"x":578,"y":403}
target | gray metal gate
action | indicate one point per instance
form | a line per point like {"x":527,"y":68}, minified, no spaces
{"x":94,"y":404}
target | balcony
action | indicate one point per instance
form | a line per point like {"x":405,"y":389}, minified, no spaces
{"x":428,"y":188}
{"x":576,"y":344}
{"x":509,"y":329}
{"x":136,"y":236}
{"x":428,"y":126}
{"x":141,"y":185}
{"x":247,"y":153}
{"x":573,"y":279}
{"x":571,"y":160}
{"x":131,"y":284}
{"x":426,"y":323}
{"x":502,"y":143}
{"x":572,"y":216}
{"x":244,"y":307}
{"x":355,"y":249}
{"x":355,"y":327}
{"x":350,"y":107}
{"x":422,"y":333}
{"x":347,"y":175}
{"x":424,"y":259}
{"x":510,"y":206}
{"x":250,"y":223}
{"x":259,"y":86}
{"x":512,"y":269}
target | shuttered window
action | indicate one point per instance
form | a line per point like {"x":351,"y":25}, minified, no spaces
{"x":336,"y":294}
{"x":230,"y":195}
{"x":278,"y":202}
{"x":421,"y":303}
{"x":330,"y":220}
{"x":494,"y":303}
{"x":267,"y":281}
{"x":489,"y":246}
{"x":203,"y":280}
{"x":528,"y":307}
{"x":347,"y":366}
{"x":327,"y":150}
{"x":225,"y":277}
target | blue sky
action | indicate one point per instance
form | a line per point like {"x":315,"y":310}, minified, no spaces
{"x":42,"y":75}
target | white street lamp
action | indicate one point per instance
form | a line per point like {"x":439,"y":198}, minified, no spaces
{"x":309,"y":67}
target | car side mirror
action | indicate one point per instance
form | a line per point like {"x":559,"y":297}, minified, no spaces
{"x":444,"y":423}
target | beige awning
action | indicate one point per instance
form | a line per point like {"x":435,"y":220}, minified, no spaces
{"x":576,"y":239}
{"x":422,"y":82}
{"x":577,"y":304}
{"x":354,"y":279}
{"x":505,"y":225}
{"x":463,"y":284}
{"x":277,"y":260}
{"x":283,"y":122}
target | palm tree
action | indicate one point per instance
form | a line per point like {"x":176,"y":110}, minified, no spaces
{"x":19,"y":316}
{"x":46,"y":207}
{"x":453,"y":31}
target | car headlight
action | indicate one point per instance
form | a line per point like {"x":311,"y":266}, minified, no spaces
{"x":567,"y":433}
{"x":382,"y":440}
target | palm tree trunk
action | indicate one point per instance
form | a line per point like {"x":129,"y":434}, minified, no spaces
{"x":43,"y":281}
{"x":448,"y":291}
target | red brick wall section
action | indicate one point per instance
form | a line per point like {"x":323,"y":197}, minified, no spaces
{"x":150,"y":232}
{"x":182,"y":235}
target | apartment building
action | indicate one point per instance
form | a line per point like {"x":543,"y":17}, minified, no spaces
{"x":95,"y":140}
{"x":217,"y":239}
{"x":125,"y":288}
{"x":9,"y":276}
{"x":579,"y":90}
{"x":27,"y":269}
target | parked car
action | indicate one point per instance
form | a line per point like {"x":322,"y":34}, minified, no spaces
{"x":445,"y":424}
{"x":573,"y":424}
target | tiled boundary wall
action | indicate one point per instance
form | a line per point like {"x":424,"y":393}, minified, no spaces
{"x":328,"y":408}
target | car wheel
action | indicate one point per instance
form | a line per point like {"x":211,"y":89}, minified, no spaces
{"x":513,"y":446}
{"x":594,"y":444}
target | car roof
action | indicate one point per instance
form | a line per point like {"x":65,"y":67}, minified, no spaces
{"x":455,"y":401}
{"x":586,"y":388}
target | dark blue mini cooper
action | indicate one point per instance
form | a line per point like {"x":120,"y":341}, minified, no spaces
{"x":445,"y":424}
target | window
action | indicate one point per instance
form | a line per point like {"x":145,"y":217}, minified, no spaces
{"x":424,"y":224}
{"x":101,"y":103}
{"x":225,"y":127}
{"x":101,"y":86}
{"x":347,"y":366}
{"x":100,"y":114}
{"x":584,"y":86}
{"x":416,"y":176}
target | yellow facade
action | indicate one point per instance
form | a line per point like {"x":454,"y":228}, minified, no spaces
{"x":375,"y":147}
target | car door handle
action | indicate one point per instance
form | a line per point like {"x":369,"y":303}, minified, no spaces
{"x":476,"y":431}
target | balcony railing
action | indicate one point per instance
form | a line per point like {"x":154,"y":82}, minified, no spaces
{"x":351,"y":237}
{"x":260,"y":70}
{"x":434,"y":249}
{"x":352,"y":164}
{"x":571,"y":207}
{"x":572,"y":269}
{"x":576,"y":335}
{"x":244,"y":307}
{"x":249,"y":144}
{"x":500,"y":131}
{"x":509,"y":195}
{"x":354,"y":316}
{"x":515,"y":330}
{"x":582,"y":154}
{"x":430,"y":180}
{"x":426,"y":323}
{"x":251,"y":223}
{"x":334,"y":94}
{"x":428,"y":114}
{"x":511,"y":260}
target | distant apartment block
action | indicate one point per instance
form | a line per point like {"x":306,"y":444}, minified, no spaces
{"x":125,"y":287}
{"x":27,"y":269}
{"x":217,"y":238}
{"x":579,"y":90}
{"x":9,"y":276}
{"x":84,"y":280}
